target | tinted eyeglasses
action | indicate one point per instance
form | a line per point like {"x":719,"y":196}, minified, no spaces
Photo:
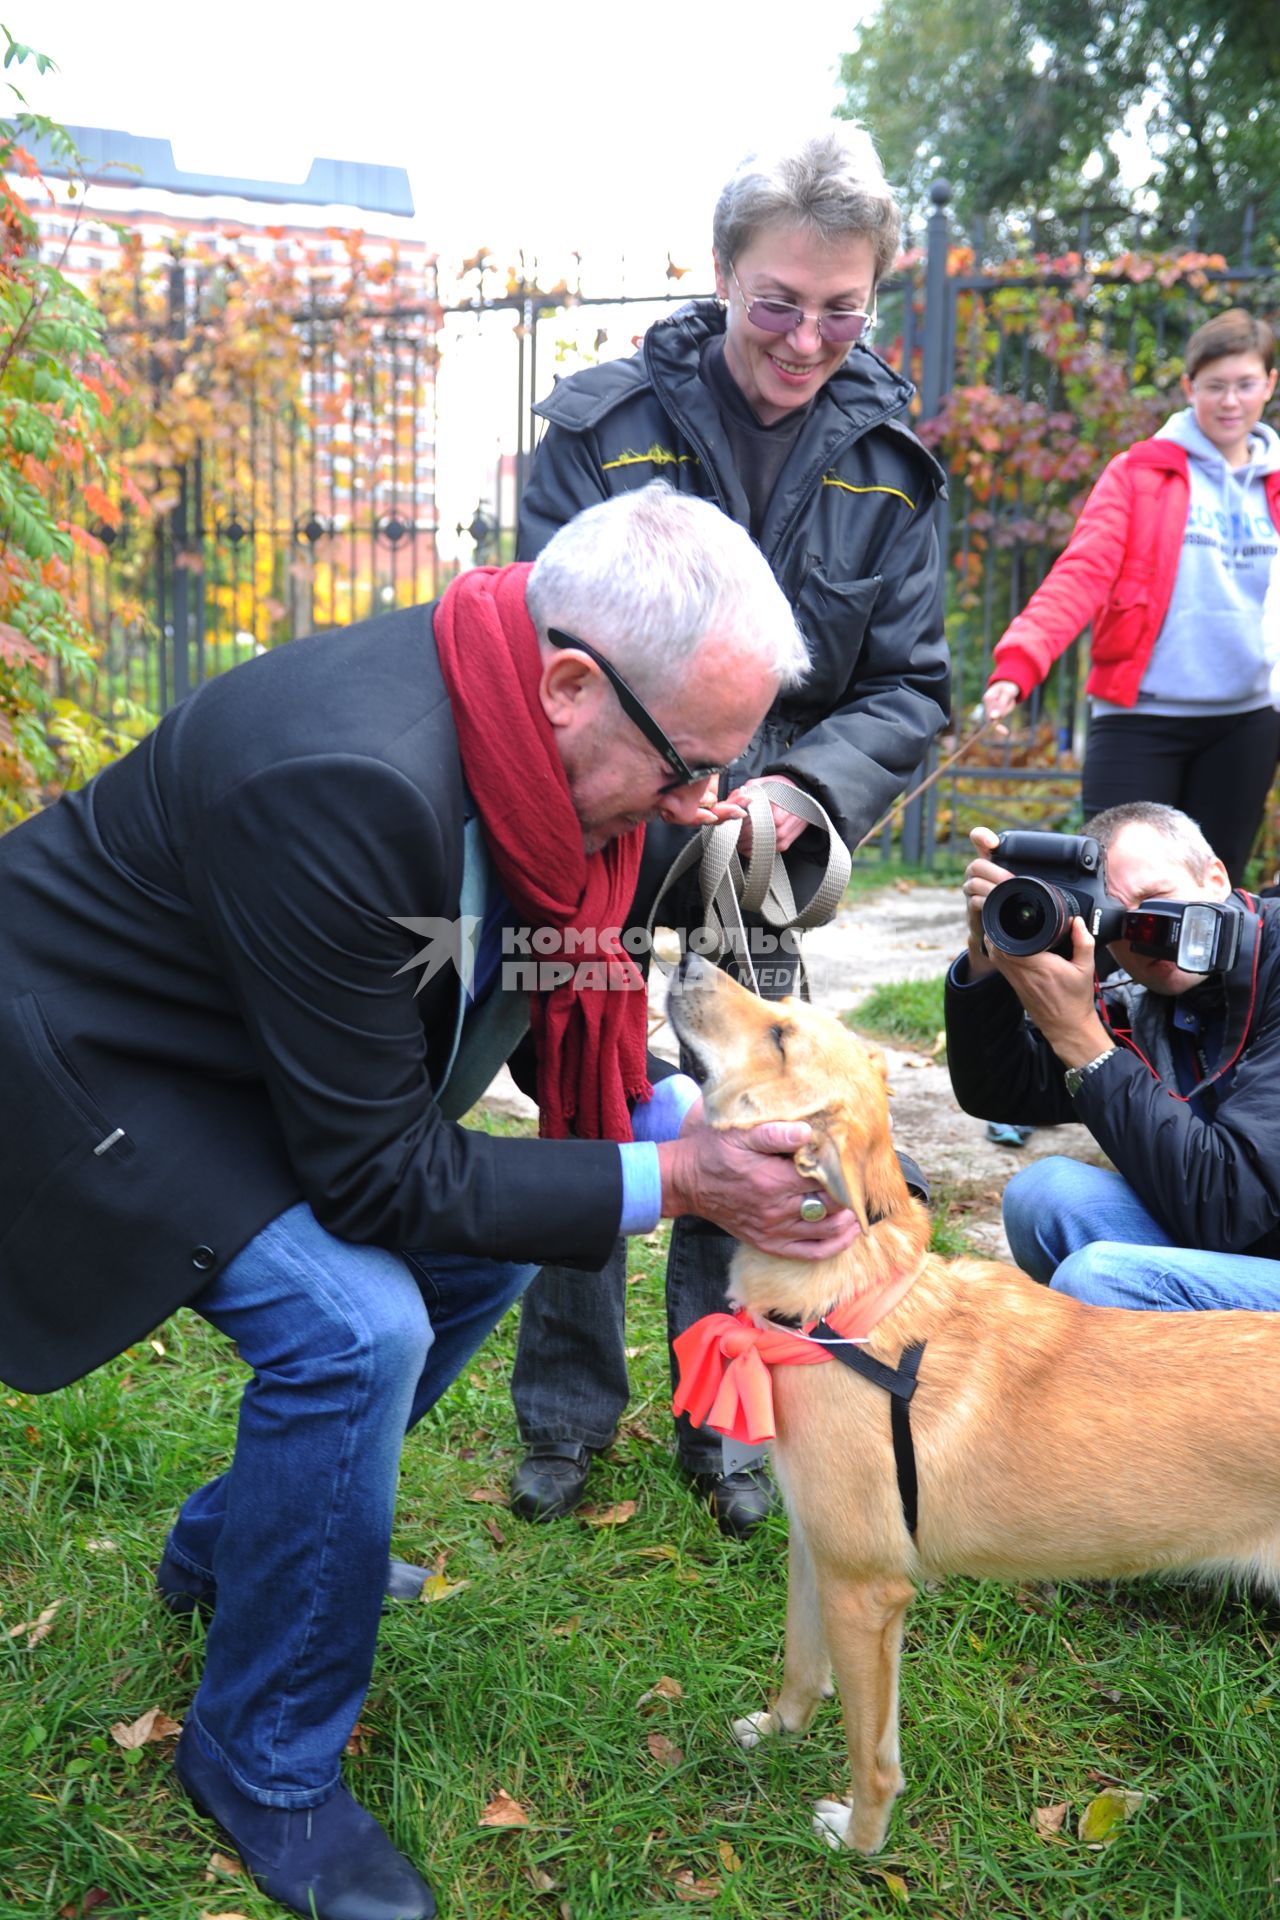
{"x":638,"y":714}
{"x":840,"y":325}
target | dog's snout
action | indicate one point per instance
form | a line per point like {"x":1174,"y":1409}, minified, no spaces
{"x":693,"y":969}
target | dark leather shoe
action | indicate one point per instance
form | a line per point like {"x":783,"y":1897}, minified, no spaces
{"x":550,"y":1480}
{"x":331,"y":1862}
{"x":182,"y":1592}
{"x":739,"y":1500}
{"x":186,"y":1593}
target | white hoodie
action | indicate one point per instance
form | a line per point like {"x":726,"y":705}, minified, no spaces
{"x":1209,"y":656}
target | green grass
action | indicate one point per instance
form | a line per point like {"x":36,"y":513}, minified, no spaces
{"x":907,"y":1013}
{"x":871,"y":874}
{"x":529,"y":1680}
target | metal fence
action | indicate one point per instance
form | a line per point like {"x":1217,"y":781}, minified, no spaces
{"x":312,"y":501}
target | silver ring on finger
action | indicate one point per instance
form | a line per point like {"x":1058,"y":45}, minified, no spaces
{"x":812,"y":1207}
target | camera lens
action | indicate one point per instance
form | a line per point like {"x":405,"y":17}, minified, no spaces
{"x":1023,"y":916}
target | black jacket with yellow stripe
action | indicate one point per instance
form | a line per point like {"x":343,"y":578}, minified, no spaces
{"x":849,"y":534}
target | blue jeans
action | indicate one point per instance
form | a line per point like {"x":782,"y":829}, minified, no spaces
{"x":349,"y":1346}
{"x":1085,"y":1231}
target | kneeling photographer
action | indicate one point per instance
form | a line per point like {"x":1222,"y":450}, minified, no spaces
{"x":1171,"y":1062}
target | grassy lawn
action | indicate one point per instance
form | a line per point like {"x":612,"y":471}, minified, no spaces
{"x":907,"y":1013}
{"x":530,"y":1678}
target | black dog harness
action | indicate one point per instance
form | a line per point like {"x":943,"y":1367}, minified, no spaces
{"x":899,"y":1383}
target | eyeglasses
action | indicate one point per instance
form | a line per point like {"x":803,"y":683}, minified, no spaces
{"x":841,"y":325}
{"x":1218,"y":389}
{"x":638,"y":714}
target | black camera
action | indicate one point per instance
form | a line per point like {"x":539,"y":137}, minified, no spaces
{"x":1059,"y":875}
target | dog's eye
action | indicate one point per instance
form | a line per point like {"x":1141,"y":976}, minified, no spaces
{"x":778,"y":1036}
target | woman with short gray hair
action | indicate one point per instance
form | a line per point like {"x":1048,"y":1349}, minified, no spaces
{"x":769,"y":402}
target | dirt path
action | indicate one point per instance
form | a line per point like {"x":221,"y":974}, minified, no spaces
{"x":905,"y":933}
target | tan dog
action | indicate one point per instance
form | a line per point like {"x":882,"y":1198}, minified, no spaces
{"x":1156,"y":1434}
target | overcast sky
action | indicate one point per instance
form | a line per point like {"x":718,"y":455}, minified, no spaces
{"x":593,"y":127}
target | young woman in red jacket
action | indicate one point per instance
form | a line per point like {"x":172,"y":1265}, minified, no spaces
{"x":1170,"y":560}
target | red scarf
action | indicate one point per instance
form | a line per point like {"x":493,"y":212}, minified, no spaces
{"x":725,"y":1358}
{"x":590,"y":1038}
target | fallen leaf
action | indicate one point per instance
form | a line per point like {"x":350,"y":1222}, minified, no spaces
{"x":1110,"y":1810}
{"x":637,"y":1430}
{"x":728,"y":1858}
{"x":665,"y":1689}
{"x":436,"y":1587}
{"x":541,"y":1882}
{"x":38,"y":1629}
{"x":616,"y":1516}
{"x":503,"y":1811}
{"x":664,"y":1751}
{"x":78,"y":1909}
{"x":224,"y":1916}
{"x":224,"y":1866}
{"x":567,"y":1628}
{"x":656,"y":1553}
{"x":1050,"y":1820}
{"x":101,"y":1546}
{"x":687,"y":1888}
{"x":489,"y":1496}
{"x":154,"y":1724}
{"x":495,"y":1533}
{"x":897,"y":1886}
{"x":359,"y":1738}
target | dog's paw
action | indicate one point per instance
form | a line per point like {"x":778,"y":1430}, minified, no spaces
{"x":831,"y":1821}
{"x":754,"y":1728}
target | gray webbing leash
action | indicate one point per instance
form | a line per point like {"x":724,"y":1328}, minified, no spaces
{"x":763,"y":886}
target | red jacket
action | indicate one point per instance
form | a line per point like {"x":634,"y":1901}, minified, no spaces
{"x":1117,"y":570}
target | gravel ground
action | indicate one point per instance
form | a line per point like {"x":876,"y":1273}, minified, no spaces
{"x":903,"y":933}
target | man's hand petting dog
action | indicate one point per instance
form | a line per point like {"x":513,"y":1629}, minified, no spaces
{"x":746,"y":1181}
{"x":1057,"y":993}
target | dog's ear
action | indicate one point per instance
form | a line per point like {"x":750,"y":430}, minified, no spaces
{"x":820,"y":1159}
{"x":883,"y":1182}
{"x":859,"y":1174}
{"x":876,"y":1057}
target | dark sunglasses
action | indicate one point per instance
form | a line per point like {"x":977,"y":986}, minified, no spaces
{"x":841,"y":324}
{"x":636,"y":711}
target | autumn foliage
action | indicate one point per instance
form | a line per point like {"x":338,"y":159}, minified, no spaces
{"x":58,"y":391}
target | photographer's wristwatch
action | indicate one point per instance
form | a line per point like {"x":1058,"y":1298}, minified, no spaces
{"x":1074,"y":1075}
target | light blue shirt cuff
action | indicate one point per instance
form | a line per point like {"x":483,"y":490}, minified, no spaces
{"x":641,"y":1186}
{"x":660,"y":1118}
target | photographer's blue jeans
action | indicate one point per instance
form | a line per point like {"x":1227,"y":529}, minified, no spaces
{"x":348,"y":1346}
{"x":1084,"y":1231}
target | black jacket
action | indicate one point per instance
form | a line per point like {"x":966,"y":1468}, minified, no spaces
{"x":1207,"y":1167}
{"x":198,"y":949}
{"x":849,"y":535}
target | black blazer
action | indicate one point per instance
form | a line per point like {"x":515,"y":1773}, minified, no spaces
{"x":202,"y":1018}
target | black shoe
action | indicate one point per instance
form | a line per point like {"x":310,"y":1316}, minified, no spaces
{"x":185,"y":1593}
{"x":550,"y":1480}
{"x":739,"y":1500}
{"x":331,"y":1862}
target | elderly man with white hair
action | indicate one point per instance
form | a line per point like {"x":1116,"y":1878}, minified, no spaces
{"x":251,"y":977}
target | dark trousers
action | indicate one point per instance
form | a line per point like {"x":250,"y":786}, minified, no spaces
{"x":569,"y":1381}
{"x":1218,"y":769}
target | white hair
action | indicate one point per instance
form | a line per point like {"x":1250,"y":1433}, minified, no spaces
{"x":650,"y":576}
